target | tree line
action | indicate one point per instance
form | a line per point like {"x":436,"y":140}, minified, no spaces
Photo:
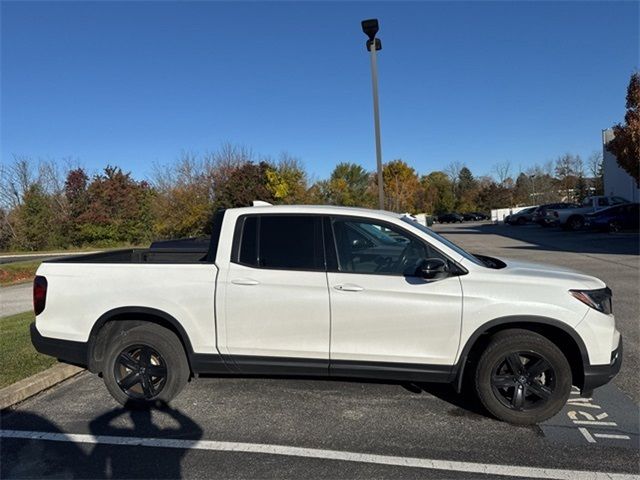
{"x":52,"y":204}
{"x":49,"y":205}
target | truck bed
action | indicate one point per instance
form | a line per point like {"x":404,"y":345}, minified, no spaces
{"x":187,"y":251}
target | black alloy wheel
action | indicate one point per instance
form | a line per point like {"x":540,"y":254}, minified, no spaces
{"x":140,"y":372}
{"x":614,"y":226}
{"x":576,"y":223}
{"x":523,"y":381}
{"x":522,"y":377}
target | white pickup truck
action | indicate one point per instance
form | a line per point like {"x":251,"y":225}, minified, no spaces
{"x":573,"y":218}
{"x":328,"y":291}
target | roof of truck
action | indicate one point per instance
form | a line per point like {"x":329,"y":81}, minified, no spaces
{"x":264,"y":207}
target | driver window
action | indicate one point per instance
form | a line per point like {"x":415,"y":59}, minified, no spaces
{"x":373,"y":248}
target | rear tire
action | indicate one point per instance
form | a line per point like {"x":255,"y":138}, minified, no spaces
{"x":575,"y":223}
{"x":145,"y":366}
{"x":522,"y":377}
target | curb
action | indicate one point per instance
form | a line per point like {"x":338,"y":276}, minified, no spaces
{"x":30,"y":386}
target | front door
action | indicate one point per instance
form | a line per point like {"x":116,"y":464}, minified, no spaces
{"x":277,"y":300}
{"x":384,"y":318}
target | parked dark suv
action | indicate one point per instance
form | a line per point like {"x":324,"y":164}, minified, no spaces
{"x":614,"y":219}
{"x":450,"y":218}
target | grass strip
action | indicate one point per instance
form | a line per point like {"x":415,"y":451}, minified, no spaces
{"x":18,"y":358}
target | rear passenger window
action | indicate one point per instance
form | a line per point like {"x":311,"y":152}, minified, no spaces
{"x":287,"y":242}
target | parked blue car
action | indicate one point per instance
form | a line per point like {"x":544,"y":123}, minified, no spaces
{"x":614,"y":219}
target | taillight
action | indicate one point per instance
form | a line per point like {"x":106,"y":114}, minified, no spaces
{"x":39,"y":294}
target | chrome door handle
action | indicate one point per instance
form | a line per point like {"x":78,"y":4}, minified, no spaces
{"x":244,"y":281}
{"x":348,"y":287}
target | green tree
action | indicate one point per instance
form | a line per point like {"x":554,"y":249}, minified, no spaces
{"x":581,"y":189}
{"x":626,"y":143}
{"x":492,"y":195}
{"x":437,"y":193}
{"x":348,"y":185}
{"x":466,"y":180}
{"x":287,"y":181}
{"x":34,"y":215}
{"x":75,"y":191}
{"x":401,"y":187}
{"x":523,"y":190}
{"x":118,"y":210}
{"x":467,"y":191}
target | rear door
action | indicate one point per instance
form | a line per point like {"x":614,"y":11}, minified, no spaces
{"x":277,"y":301}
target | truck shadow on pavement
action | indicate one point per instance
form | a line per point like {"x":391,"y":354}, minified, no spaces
{"x":465,"y":404}
{"x":69,"y":458}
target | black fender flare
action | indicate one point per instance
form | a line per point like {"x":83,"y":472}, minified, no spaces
{"x":514,"y":320}
{"x":132,"y":312}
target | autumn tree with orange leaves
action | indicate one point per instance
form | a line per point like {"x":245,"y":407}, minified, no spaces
{"x":626,"y":144}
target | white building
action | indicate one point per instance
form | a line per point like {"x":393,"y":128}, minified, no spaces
{"x":616,"y":181}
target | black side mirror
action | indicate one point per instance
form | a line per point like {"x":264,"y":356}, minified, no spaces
{"x":432,"y":268}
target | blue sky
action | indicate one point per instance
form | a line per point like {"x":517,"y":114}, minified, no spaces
{"x":476,"y":82}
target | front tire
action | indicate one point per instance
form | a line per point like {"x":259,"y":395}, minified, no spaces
{"x":145,"y":365}
{"x":522,"y":377}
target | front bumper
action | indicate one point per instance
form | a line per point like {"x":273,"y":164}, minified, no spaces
{"x":597,"y":375}
{"x":66,"y":351}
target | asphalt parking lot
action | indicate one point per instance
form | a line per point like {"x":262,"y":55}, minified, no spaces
{"x":302,"y":428}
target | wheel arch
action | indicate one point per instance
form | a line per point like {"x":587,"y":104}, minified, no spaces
{"x":131,"y":316}
{"x":561,"y":334}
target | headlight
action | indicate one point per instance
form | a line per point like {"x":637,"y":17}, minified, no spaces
{"x":598,"y":299}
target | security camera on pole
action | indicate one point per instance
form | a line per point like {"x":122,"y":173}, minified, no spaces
{"x":370,"y":28}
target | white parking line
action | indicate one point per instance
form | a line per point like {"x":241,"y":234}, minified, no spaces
{"x":585,"y":433}
{"x":468,"y":467}
{"x":611,"y":435}
{"x":595,"y":422}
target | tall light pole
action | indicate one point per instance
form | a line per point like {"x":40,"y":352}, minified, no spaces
{"x":533,"y":185}
{"x":370,"y":28}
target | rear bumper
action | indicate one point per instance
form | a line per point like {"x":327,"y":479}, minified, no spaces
{"x":597,"y":375}
{"x":66,"y":351}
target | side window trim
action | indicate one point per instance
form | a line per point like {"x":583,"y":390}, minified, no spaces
{"x":329,"y":245}
{"x":383,"y":223}
{"x":239,"y":231}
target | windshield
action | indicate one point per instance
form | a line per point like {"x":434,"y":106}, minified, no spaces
{"x":443,"y":240}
